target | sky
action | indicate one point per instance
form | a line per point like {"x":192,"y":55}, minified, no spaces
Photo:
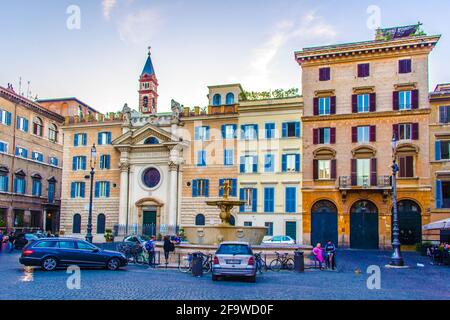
{"x":95,"y":50}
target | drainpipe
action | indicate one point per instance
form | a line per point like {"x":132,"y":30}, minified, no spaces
{"x":11,"y":210}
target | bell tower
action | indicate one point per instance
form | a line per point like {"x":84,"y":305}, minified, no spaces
{"x":148,"y":88}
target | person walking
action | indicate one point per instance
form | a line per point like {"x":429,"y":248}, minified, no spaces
{"x":318,"y":254}
{"x":11,"y":241}
{"x":330,"y":250}
{"x":150,"y":247}
{"x":168,"y":248}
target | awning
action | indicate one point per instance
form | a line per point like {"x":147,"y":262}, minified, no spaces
{"x":438,"y":225}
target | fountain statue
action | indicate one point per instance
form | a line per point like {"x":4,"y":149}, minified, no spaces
{"x":214,"y":235}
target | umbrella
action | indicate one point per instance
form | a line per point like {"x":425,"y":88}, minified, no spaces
{"x":438,"y":225}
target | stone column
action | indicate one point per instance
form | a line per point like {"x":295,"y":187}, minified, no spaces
{"x":173,"y":187}
{"x":123,"y":206}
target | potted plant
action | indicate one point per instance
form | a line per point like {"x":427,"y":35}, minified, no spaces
{"x":109,"y":237}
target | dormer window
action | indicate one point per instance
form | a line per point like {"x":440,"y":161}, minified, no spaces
{"x":230,"y":98}
{"x":217,"y":100}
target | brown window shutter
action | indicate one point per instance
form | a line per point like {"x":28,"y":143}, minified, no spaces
{"x":353,"y":167}
{"x":315,"y":169}
{"x":354,"y":103}
{"x":415,"y":99}
{"x":354,"y":134}
{"x":415,"y":131}
{"x":395,"y":101}
{"x":373,"y":102}
{"x":395,"y":132}
{"x":316,"y":106}
{"x":402,"y":166}
{"x":316,"y":136}
{"x":333,"y":105}
{"x":332,"y":135}
{"x":373,"y":133}
{"x":333,"y":169}
{"x":373,"y":172}
{"x":409,"y":161}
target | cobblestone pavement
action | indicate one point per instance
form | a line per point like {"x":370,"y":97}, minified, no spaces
{"x":139,"y":283}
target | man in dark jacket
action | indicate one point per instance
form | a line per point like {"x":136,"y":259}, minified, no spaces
{"x":330,"y":250}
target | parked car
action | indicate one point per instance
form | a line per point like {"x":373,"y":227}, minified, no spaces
{"x":234,"y":259}
{"x":51,"y":253}
{"x":279,"y":240}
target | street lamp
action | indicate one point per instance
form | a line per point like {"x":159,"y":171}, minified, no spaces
{"x":396,"y":258}
{"x":92,"y":164}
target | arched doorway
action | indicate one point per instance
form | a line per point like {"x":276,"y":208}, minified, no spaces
{"x":409,"y":222}
{"x":364,"y":225}
{"x":324,"y":222}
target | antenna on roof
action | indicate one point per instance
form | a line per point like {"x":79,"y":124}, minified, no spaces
{"x":28,"y":90}
{"x":20,"y":85}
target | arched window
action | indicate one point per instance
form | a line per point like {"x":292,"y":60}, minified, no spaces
{"x":145,"y":103}
{"x":232,"y":221}
{"x":76,"y":226}
{"x":101,"y":222}
{"x":37,"y":126}
{"x":53,"y":133}
{"x":151,"y":140}
{"x":217,"y":100}
{"x":230,"y":98}
{"x":200,"y":220}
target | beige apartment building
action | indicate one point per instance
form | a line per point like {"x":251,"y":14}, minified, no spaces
{"x":440,"y":158}
{"x":31,"y":157}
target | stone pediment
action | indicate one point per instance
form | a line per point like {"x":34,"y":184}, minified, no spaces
{"x":137,"y":137}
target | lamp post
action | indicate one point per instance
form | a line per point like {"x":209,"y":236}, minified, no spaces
{"x":396,"y":258}
{"x":92,"y":164}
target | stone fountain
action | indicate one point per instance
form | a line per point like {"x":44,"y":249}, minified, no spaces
{"x":214,"y":235}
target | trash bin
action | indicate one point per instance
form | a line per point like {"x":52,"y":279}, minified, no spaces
{"x":197,"y":264}
{"x":299,"y":261}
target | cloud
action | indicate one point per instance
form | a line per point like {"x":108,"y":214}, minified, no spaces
{"x":310,"y":27}
{"x":108,"y":6}
{"x":140,"y":26}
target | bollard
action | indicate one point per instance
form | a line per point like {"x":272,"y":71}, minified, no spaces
{"x":197,"y":264}
{"x":299,"y":261}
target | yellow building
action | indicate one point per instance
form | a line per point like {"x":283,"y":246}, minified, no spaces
{"x":440,"y":158}
{"x":269,"y":156}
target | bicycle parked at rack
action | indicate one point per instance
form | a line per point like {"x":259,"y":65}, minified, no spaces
{"x":282,"y":261}
{"x":186,"y":263}
{"x":134,"y":253}
{"x":261,"y":265}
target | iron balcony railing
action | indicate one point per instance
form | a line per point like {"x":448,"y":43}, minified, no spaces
{"x":373,"y":181}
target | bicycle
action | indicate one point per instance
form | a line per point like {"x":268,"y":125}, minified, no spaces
{"x":134,"y":253}
{"x":282,"y":261}
{"x":186,"y":264}
{"x":260,"y":263}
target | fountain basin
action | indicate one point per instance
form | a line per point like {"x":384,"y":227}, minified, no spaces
{"x":214,"y":235}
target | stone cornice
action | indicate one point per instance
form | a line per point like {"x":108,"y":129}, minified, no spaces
{"x":367,"y":115}
{"x":15,"y":98}
{"x":366,"y":50}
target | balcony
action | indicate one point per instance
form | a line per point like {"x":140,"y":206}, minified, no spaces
{"x":364,"y":182}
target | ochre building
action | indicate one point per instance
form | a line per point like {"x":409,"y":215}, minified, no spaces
{"x":357,"y":97}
